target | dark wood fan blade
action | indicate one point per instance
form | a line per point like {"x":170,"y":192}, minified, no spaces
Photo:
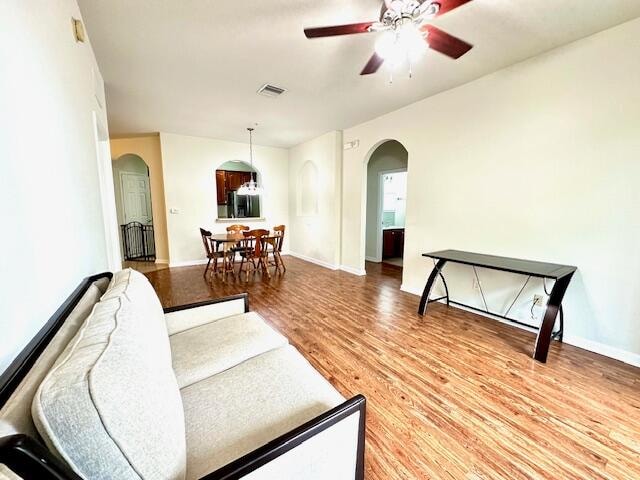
{"x":444,"y":43}
{"x":448,"y":5}
{"x":372,"y":66}
{"x":338,"y":30}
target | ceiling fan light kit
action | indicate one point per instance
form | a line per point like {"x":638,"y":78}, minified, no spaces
{"x":406,"y":33}
{"x":406,"y":44}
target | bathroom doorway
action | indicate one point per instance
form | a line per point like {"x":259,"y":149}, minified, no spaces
{"x":391,"y":216}
{"x":386,"y":204}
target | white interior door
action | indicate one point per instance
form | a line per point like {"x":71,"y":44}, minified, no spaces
{"x":136,"y":198}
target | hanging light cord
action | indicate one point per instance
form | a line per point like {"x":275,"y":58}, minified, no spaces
{"x":251,"y":146}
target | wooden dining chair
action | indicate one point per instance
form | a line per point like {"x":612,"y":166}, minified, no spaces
{"x":212,"y":254}
{"x":237,"y":229}
{"x":277,"y":251}
{"x":252,"y":253}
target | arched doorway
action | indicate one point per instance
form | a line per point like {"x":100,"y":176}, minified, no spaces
{"x":134,"y":211}
{"x":386,"y":200}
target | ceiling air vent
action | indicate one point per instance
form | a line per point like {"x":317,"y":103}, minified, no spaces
{"x":271,"y":91}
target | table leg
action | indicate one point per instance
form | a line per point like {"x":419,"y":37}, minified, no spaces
{"x":446,"y":288}
{"x":546,"y":328}
{"x":230,"y":257}
{"x":424,"y":301}
{"x":561,"y":332}
{"x":263,"y":263}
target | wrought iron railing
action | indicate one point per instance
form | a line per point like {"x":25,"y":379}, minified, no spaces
{"x":138,"y":242}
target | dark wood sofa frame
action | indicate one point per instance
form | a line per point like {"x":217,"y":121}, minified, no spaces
{"x":31,"y":460}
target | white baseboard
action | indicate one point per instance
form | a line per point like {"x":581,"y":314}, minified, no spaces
{"x":330,"y":266}
{"x":322,"y":263}
{"x":192,"y":263}
{"x":410,"y":290}
{"x":605,"y":350}
{"x":372,"y":259}
{"x":353,"y":271}
{"x":583,"y":343}
{"x":162,"y":261}
{"x":189,"y":263}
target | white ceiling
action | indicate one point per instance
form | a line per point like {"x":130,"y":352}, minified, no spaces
{"x":193,"y":66}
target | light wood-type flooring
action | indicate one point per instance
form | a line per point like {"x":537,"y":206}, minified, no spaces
{"x":450,"y":396}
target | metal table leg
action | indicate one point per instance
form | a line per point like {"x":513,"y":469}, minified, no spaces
{"x":553,"y":308}
{"x":446,"y":289}
{"x":424,"y":301}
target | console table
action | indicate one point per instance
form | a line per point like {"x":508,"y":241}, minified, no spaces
{"x":561,"y":274}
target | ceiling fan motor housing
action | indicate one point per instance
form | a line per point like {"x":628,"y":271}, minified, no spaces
{"x":395,"y":11}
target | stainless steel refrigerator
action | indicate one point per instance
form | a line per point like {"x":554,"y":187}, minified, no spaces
{"x":242,"y":206}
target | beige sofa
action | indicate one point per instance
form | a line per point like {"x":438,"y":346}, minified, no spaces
{"x":116,"y":387}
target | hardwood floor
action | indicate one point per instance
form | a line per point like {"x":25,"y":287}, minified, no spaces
{"x":450,"y":396}
{"x":144,"y":267}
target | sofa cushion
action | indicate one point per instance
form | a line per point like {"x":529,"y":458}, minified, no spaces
{"x":110,"y":406}
{"x":233,"y":413}
{"x":182,"y":320}
{"x":121,"y":281}
{"x":204,"y":351}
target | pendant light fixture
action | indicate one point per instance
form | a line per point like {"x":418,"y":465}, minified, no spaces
{"x":251,"y":187}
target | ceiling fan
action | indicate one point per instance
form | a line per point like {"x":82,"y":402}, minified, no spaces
{"x":407,"y":32}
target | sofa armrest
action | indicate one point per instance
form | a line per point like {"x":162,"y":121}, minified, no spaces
{"x":277,"y":458}
{"x":184,"y":317}
{"x":31,"y":461}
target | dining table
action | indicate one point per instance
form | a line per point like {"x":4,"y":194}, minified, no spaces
{"x":230,"y":240}
{"x":220,"y":238}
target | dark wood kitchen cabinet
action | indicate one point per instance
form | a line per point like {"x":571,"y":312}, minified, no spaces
{"x":230,"y":181}
{"x":221,"y":187}
{"x":236,"y":179}
{"x":393,"y":243}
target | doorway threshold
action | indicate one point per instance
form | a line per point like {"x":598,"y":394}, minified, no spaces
{"x":398,"y":262}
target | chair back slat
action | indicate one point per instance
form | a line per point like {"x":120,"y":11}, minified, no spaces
{"x":237,"y":228}
{"x":206,"y":240}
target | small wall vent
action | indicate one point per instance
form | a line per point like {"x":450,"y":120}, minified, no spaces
{"x":270,"y":91}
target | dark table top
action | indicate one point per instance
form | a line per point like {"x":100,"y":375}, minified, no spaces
{"x":234,"y":237}
{"x":227,"y":237}
{"x":505,"y":264}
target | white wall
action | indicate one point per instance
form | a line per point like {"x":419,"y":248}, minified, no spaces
{"x":53,"y":233}
{"x":189,"y":165}
{"x":540,"y":161}
{"x":388,"y":156}
{"x":315,"y":235}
